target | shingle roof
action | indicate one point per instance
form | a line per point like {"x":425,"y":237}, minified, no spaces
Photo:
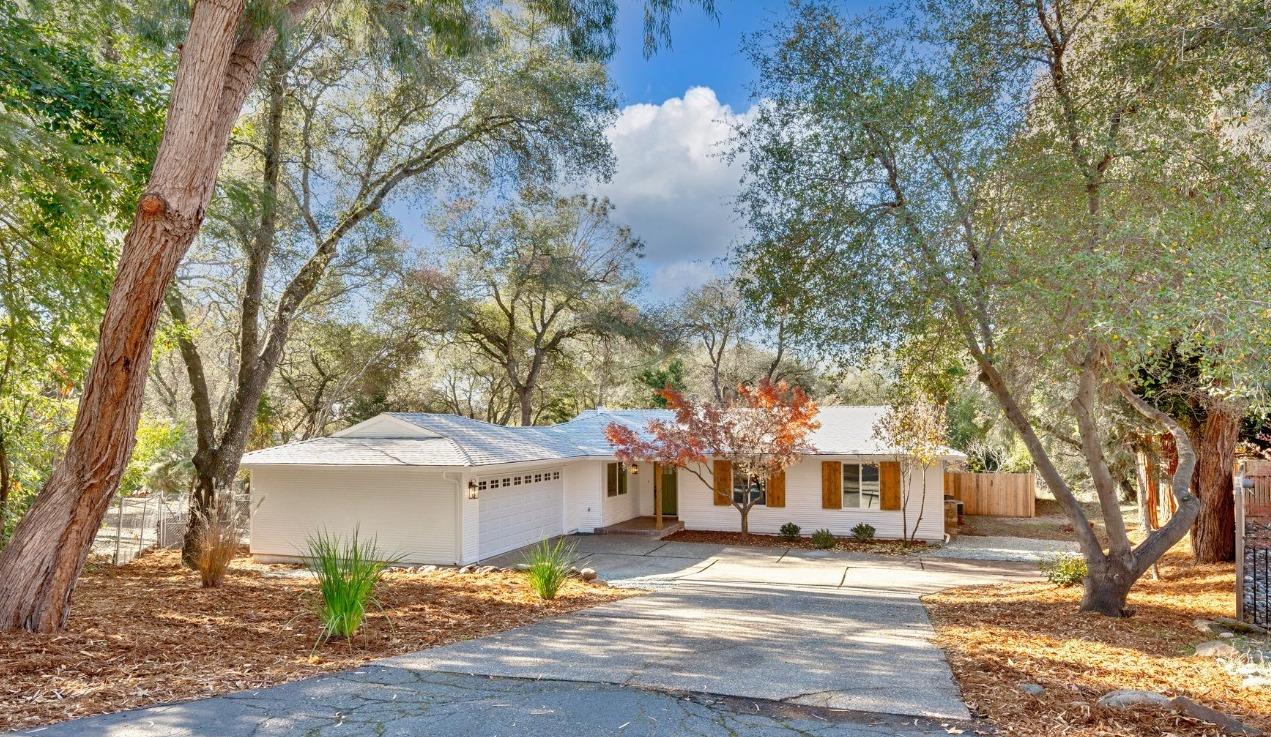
{"x":845,"y":430}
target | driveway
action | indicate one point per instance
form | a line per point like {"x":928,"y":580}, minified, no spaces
{"x":728,"y":641}
{"x":834,"y":630}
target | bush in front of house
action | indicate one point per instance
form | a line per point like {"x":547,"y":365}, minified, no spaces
{"x":863,"y":532}
{"x":789,"y":532}
{"x":549,"y":565}
{"x":347,"y":571}
{"x":823,"y":539}
{"x":1065,"y":569}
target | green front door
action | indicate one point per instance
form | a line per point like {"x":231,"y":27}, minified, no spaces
{"x":669,"y":505}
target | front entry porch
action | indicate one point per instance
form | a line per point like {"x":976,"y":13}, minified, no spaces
{"x":647,"y":526}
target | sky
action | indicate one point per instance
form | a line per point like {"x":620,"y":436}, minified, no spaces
{"x":678,"y":109}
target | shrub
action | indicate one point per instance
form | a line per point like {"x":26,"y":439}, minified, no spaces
{"x":823,"y":539}
{"x":863,"y":532}
{"x":1065,"y":569}
{"x":217,"y":543}
{"x":789,"y":531}
{"x":549,"y":566}
{"x":347,"y":571}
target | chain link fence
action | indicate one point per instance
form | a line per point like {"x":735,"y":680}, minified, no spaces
{"x":139,"y":522}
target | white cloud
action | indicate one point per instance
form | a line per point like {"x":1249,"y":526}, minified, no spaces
{"x":673,"y":187}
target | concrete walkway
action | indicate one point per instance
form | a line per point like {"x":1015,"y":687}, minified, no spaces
{"x":730,"y":640}
{"x":1023,"y":549}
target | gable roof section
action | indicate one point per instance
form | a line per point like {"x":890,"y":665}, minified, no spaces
{"x":455,"y":441}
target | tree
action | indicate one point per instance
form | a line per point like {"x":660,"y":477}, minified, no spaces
{"x":712,"y":314}
{"x":76,"y":130}
{"x":226,"y":44}
{"x":757,"y":437}
{"x":916,"y":426}
{"x":520,"y":103}
{"x":670,"y":376}
{"x":525,"y":281}
{"x":1002,"y":174}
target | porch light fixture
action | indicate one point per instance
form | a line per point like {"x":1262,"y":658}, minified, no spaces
{"x":634,"y":469}
{"x":472,"y":489}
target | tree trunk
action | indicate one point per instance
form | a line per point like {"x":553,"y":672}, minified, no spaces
{"x":1107,"y":585}
{"x":1214,"y":532}
{"x":525,"y":398}
{"x":745,"y":521}
{"x":219,"y":62}
{"x":6,"y":483}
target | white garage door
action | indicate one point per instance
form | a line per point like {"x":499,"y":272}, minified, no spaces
{"x":519,"y":509}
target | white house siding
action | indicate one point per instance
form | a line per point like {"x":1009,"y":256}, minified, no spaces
{"x":529,"y":508}
{"x":623,"y":506}
{"x":803,"y":506}
{"x":584,"y":495}
{"x":409,"y":511}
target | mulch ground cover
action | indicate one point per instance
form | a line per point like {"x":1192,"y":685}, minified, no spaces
{"x":998,"y":637}
{"x":881,"y":547}
{"x":146,"y":633}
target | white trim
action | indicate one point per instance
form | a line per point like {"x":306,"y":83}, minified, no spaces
{"x":414,"y":431}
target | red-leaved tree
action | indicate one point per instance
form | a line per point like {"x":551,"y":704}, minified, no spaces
{"x":761,"y":433}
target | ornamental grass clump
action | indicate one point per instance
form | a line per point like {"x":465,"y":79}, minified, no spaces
{"x":549,"y":565}
{"x":347,"y":571}
{"x":823,"y":539}
{"x":216,"y":546}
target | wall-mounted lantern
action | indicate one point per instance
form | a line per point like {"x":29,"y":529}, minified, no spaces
{"x":472,"y":489}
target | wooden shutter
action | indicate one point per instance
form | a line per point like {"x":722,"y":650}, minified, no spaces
{"x":831,"y":485}
{"x":723,"y":477}
{"x":776,"y":490}
{"x":889,"y":485}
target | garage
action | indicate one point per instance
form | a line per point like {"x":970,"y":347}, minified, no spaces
{"x":517,"y":509}
{"x":409,"y":511}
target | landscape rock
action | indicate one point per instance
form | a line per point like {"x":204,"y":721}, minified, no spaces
{"x":1256,"y":682}
{"x":487,"y":569}
{"x":1229,"y":724}
{"x":1204,"y":625}
{"x":522,"y":566}
{"x":468,"y":569}
{"x":587,"y":574}
{"x":426,"y":569}
{"x":1032,"y":689}
{"x":1216,"y":649}
{"x":1130,"y":697}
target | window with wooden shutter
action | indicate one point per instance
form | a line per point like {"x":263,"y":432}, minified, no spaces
{"x":723,"y":478}
{"x":777,"y":489}
{"x":889,"y":485}
{"x":831,"y":485}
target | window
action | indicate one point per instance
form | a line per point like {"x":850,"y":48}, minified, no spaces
{"x":744,"y":488}
{"x":507,"y":480}
{"x":617,"y":479}
{"x":555,"y":475}
{"x":481,"y":486}
{"x":860,"y":486}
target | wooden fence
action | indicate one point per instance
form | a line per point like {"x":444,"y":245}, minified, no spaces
{"x":993,"y":494}
{"x":1259,"y":472}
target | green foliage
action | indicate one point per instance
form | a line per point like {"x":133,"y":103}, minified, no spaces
{"x":823,"y":539}
{"x":790,"y":532}
{"x":863,"y":531}
{"x":1064,"y":569}
{"x":160,"y":459}
{"x":77,"y":132}
{"x":347,"y":571}
{"x":549,"y":565}
{"x":671,"y":375}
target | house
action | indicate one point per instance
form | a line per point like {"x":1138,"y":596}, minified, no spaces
{"x":452,"y":490}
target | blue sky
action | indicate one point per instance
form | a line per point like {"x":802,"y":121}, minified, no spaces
{"x":679,"y":109}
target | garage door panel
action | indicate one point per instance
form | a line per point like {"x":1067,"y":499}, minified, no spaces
{"x":516,"y":515}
